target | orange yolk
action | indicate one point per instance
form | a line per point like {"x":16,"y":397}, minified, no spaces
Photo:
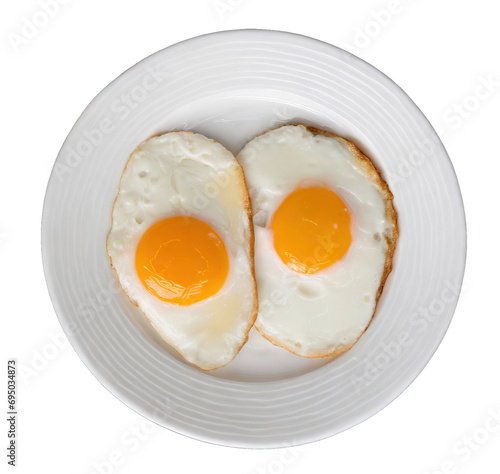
{"x":181,"y":260}
{"x":311,"y":229}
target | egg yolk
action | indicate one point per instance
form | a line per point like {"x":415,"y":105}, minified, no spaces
{"x":311,"y":229}
{"x":181,"y":260}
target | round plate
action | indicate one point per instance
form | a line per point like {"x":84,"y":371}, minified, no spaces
{"x":232,"y":86}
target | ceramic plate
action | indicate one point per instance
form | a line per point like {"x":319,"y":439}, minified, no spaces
{"x":232,"y":86}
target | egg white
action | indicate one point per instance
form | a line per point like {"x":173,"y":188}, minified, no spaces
{"x":325,"y":313}
{"x":181,"y":173}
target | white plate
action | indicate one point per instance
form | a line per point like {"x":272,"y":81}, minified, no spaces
{"x":232,"y":86}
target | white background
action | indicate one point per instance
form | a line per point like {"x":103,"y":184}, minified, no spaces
{"x":438,"y":52}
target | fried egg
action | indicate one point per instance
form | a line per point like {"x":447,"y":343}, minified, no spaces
{"x":181,"y":242}
{"x":325,"y":234}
